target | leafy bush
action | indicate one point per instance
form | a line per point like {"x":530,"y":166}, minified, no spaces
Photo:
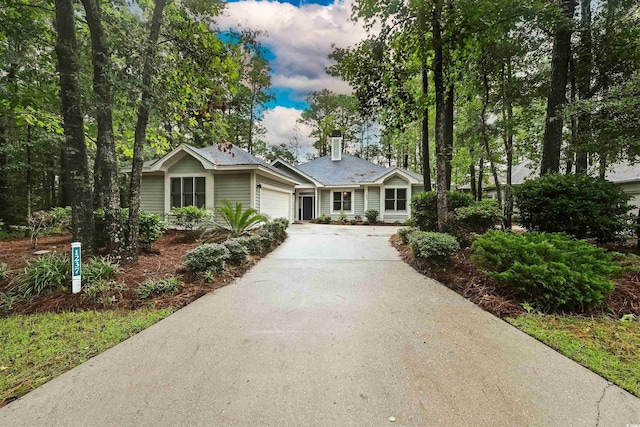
{"x":104,"y":291}
{"x":266,"y":240}
{"x":549,"y":270}
{"x":252,"y":243}
{"x":152,"y":287}
{"x":237,"y":250}
{"x":342,"y":217}
{"x":372,"y":215}
{"x":358,"y":218}
{"x":282,"y":221}
{"x":189,"y":217}
{"x":99,"y":269}
{"x":353,"y":221}
{"x":425,"y":211}
{"x":46,"y":273}
{"x":236,"y":221}
{"x":435,"y":247}
{"x":151,"y":228}
{"x":211,"y":256}
{"x":404,"y":233}
{"x":275,"y":229}
{"x":579,"y":205}
{"x":56,"y":220}
{"x":479,"y":218}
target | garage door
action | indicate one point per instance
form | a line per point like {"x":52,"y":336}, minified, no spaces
{"x":275,"y":204}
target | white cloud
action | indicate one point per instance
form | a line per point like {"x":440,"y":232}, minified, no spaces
{"x":282,"y":127}
{"x":300,"y":37}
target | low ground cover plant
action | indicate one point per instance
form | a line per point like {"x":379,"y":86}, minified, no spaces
{"x":99,"y":269}
{"x":208,"y":257}
{"x":552,"y":271}
{"x":151,"y":287}
{"x":44,"y":274}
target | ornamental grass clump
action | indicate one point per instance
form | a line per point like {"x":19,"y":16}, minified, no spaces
{"x":151,"y":287}
{"x":46,"y":273}
{"x":551,"y":271}
{"x":209,"y":257}
{"x":434,"y":247}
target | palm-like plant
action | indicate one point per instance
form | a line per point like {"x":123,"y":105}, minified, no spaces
{"x":236,"y":221}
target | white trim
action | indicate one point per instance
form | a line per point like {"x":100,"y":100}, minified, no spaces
{"x":366,"y":198}
{"x":161,"y":164}
{"x":343,"y":190}
{"x":252,"y":183}
{"x":299,"y":172}
{"x":395,"y":171}
{"x":208,"y":188}
{"x":317,"y":202}
{"x":336,"y":154}
{"x":280,"y":190}
{"x":383,"y":200}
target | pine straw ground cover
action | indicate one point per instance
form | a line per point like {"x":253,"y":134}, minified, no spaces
{"x":45,"y":336}
{"x":598,"y":340}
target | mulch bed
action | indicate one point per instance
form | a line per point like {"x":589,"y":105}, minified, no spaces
{"x":462,"y":277}
{"x":163,"y":262}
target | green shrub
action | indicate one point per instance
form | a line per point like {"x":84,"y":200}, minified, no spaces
{"x":189,"y":217}
{"x":237,"y":250}
{"x":252,"y":243}
{"x":424,"y":207}
{"x":342,"y":217}
{"x":372,"y":215}
{"x":46,"y":273}
{"x":151,"y":228}
{"x":579,"y":205}
{"x":435,"y":247}
{"x":479,"y":218}
{"x":151,"y":287}
{"x":99,"y":269}
{"x":358,"y":218}
{"x":404,"y":233}
{"x":104,"y":291}
{"x":8,"y":300}
{"x":266,"y":240}
{"x":276,"y":230}
{"x":283,"y":221}
{"x":549,"y":270}
{"x":211,"y":256}
{"x":56,"y":220}
{"x":353,"y":221}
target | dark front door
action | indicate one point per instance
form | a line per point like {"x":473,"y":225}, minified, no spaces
{"x":307,"y":208}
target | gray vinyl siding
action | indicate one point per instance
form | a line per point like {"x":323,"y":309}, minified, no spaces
{"x":374,"y":198}
{"x":396,"y":180}
{"x":187,"y":165}
{"x":325,"y":202}
{"x":417,"y":189}
{"x":234,"y":188}
{"x":393,"y":217}
{"x":273,"y":183}
{"x":359,"y":202}
{"x":152,"y":194}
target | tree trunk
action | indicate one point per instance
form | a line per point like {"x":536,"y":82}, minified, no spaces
{"x":583,"y":82}
{"x":426,"y":169}
{"x":5,"y":204}
{"x":552,"y":142}
{"x":507,"y":114}
{"x":448,"y":136}
{"x":141,"y":130}
{"x":75,"y":149}
{"x":105,"y":172}
{"x":480,"y":179}
{"x":441,"y":142}
{"x":485,"y":139}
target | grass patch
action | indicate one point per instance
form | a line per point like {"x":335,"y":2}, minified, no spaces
{"x":37,"y":348}
{"x":608,"y":347}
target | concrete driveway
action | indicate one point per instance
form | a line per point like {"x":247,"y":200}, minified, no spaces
{"x":331,"y":329}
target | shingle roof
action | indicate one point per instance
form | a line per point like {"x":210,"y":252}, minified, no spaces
{"x":624,"y":173}
{"x":349,"y":170}
{"x":231,"y":157}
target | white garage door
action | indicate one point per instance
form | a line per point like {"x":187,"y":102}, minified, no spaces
{"x":275,"y":204}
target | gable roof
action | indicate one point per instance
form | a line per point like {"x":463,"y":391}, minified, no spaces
{"x":212,"y":157}
{"x":295,"y":171}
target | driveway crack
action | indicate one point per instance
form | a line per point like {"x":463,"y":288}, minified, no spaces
{"x":604,"y":391}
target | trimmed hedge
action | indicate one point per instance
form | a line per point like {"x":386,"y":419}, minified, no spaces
{"x":434,"y":247}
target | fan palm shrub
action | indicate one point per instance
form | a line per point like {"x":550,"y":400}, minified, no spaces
{"x":236,"y":221}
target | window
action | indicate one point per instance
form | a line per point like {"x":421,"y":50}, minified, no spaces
{"x":342,"y":201}
{"x":188,"y":191}
{"x":395,"y":199}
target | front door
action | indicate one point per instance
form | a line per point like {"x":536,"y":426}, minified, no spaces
{"x":307,"y":208}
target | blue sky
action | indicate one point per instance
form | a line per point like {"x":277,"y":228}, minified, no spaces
{"x":298,"y":38}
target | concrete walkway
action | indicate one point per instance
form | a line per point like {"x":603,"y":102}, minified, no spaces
{"x":331,"y":329}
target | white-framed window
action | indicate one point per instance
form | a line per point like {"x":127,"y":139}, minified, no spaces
{"x":188,"y":191}
{"x":395,"y":199}
{"x":342,"y":201}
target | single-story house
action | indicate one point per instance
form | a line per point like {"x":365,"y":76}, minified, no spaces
{"x":204,"y":177}
{"x":624,"y":175}
{"x":341,"y":183}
